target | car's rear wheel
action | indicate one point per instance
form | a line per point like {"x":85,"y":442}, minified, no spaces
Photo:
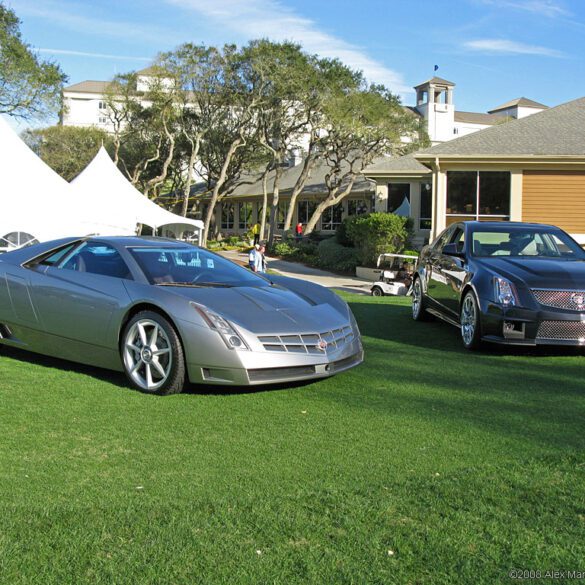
{"x":470,"y":321}
{"x":419,"y":301}
{"x":377,"y":292}
{"x":152,"y":354}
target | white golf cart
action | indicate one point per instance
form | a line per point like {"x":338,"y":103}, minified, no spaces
{"x":395,"y":274}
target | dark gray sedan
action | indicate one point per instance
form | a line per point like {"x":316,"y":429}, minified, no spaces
{"x":163,"y":311}
{"x":504,"y":282}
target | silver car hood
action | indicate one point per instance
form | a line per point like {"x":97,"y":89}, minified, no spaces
{"x":270,"y":309}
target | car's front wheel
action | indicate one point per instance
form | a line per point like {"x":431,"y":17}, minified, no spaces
{"x":419,"y":301}
{"x":470,"y":322}
{"x":152,"y":354}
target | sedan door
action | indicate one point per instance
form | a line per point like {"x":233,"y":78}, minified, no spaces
{"x":448,"y":272}
{"x":78,"y":299}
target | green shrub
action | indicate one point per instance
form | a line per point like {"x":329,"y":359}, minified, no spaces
{"x":334,"y":256}
{"x":341,"y":233}
{"x":377,"y":233}
{"x":284,"y":249}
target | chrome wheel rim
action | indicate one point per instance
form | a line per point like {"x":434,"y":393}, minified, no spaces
{"x":148,"y":355}
{"x":468,"y":319}
{"x":416,"y":299}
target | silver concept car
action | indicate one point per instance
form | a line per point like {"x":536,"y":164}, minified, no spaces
{"x":163,"y":311}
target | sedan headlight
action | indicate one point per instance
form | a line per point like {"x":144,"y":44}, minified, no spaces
{"x":354,"y":324}
{"x":505,"y":292}
{"x":230,"y":336}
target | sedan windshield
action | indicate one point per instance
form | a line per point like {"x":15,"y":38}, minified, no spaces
{"x":166,"y":266}
{"x":525,"y":242}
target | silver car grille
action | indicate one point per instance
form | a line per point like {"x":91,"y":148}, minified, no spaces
{"x":562,"y":330}
{"x":308,"y":343}
{"x":570,"y":300}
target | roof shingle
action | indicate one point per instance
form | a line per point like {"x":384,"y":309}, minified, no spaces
{"x":558,"y":131}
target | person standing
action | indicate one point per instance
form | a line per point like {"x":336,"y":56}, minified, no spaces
{"x":263,"y":263}
{"x":256,"y":233}
{"x":299,"y":231}
{"x":257,"y":259}
{"x":252,"y":257}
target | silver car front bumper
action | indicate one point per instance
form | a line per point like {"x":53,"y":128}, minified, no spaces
{"x":213,"y":363}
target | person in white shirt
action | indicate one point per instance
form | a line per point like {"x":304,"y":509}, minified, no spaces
{"x":256,"y":258}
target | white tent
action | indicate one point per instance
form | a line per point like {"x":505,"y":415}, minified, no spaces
{"x":110,"y":205}
{"x":34,"y":199}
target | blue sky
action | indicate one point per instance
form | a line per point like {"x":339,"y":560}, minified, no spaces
{"x":493,"y":50}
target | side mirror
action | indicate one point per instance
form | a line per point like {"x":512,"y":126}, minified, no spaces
{"x":453,"y":250}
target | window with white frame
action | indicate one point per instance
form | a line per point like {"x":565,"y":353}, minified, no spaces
{"x":227,"y":216}
{"x":245,"y":210}
{"x":102,"y":106}
{"x":281,"y":215}
{"x":357,"y":207}
{"x":331,"y":218}
{"x":305,"y":210}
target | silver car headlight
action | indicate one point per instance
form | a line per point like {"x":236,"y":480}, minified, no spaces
{"x":505,"y":292}
{"x":226,"y":330}
{"x":354,"y":324}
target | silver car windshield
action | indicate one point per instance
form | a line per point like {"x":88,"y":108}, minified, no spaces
{"x":526,"y":242}
{"x":166,"y":266}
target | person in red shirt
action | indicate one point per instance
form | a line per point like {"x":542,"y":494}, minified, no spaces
{"x":299,"y":230}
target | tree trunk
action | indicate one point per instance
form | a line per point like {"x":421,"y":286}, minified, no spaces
{"x":218,"y":185}
{"x":187,"y":188}
{"x":298,"y":188}
{"x":264,"y":205}
{"x":155,"y":181}
{"x":332,"y":199}
{"x":321,"y":207}
{"x":275,"y":197}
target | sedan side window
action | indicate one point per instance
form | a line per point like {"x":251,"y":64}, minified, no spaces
{"x":458,"y":238}
{"x":443,"y":239}
{"x":97,"y":258}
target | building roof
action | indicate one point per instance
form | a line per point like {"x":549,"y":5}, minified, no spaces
{"x":150,"y":70}
{"x":435,"y":81}
{"x":477,"y":118}
{"x":402,"y":165}
{"x":557,"y":131}
{"x":519,"y":102}
{"x":88,"y":87}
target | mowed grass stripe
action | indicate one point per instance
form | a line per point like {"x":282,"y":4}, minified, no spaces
{"x":427,"y":464}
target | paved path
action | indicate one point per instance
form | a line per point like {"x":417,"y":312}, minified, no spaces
{"x":296,"y":270}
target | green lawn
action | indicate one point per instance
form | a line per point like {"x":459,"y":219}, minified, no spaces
{"x":427,"y":464}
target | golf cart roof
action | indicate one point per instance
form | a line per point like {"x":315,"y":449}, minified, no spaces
{"x":382,"y":257}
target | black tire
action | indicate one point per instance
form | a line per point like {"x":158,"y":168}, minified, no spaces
{"x":470,"y":321}
{"x":377,"y":292}
{"x":148,"y":367}
{"x":419,"y":301}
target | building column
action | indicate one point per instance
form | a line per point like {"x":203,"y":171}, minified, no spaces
{"x":516,"y":178}
{"x":439,"y":203}
{"x":415,"y":203}
{"x":381,"y":203}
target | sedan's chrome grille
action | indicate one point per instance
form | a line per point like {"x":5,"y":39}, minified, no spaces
{"x":562,"y":330}
{"x":571,"y":300}
{"x":308,"y":343}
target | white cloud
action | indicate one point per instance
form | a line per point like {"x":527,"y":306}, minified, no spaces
{"x":506,"y":47}
{"x":93,"y":55}
{"x":548,"y":8}
{"x":271,"y":19}
{"x":68,"y":15}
